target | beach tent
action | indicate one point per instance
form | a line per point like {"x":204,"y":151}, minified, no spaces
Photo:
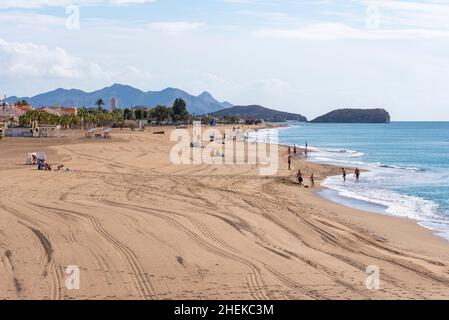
{"x":106,"y":133}
{"x":90,"y":133}
{"x":38,"y":155}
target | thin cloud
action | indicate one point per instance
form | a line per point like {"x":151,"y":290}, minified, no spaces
{"x":335,"y":31}
{"x":27,"y":4}
{"x":409,"y":14}
{"x":175,"y":27}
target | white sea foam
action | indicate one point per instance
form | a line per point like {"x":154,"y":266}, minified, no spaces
{"x":378,"y":186}
{"x":344,"y":152}
{"x":384,"y":187}
{"x":396,"y":203}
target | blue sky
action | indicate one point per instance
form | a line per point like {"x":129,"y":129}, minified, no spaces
{"x":306,"y":56}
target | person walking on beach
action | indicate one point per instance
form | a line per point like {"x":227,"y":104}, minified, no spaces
{"x":289,"y":162}
{"x":312,"y":181}
{"x":294,"y":148}
{"x":300,"y":179}
{"x":344,"y":174}
{"x":289,"y":150}
{"x":357,"y":174}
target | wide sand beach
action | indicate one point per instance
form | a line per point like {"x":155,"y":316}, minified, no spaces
{"x":140,"y":227}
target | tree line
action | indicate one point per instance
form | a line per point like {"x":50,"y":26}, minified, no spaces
{"x":96,"y":117}
{"x":85,"y":118}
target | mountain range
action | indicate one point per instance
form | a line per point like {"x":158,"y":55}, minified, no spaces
{"x":127,"y":96}
{"x":204,"y":103}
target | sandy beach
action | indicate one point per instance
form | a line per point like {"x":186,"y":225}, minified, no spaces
{"x":139,"y":227}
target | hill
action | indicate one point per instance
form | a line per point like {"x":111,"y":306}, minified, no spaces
{"x":255,"y":112}
{"x":354,"y":116}
{"x":127,"y":96}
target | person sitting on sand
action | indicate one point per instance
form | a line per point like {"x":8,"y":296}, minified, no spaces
{"x":300,"y":179}
{"x":344,"y":174}
{"x":357,"y":174}
{"x":312,"y":181}
{"x":289,"y":162}
{"x":41,"y":164}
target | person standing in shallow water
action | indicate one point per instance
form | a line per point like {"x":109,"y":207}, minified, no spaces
{"x":357,"y":174}
{"x":344,"y":174}
{"x":312,"y":181}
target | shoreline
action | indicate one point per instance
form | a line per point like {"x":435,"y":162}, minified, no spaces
{"x":334,"y":196}
{"x":197,"y":231}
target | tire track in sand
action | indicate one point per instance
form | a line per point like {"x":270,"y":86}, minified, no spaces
{"x":48,"y":263}
{"x":256,"y":283}
{"x":142,"y":281}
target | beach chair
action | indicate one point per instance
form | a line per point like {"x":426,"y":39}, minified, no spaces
{"x":106,"y":133}
{"x":90,"y":133}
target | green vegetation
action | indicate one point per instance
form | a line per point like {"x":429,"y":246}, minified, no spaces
{"x":86,"y":118}
{"x":22,"y":103}
{"x":96,"y":117}
{"x":255,"y":113}
{"x":355,"y":116}
{"x":180,"y":111}
{"x":99,"y":103}
{"x":161,"y":114}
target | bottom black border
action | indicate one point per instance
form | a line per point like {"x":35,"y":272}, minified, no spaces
{"x":223,"y":309}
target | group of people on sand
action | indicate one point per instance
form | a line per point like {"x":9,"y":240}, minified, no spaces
{"x":43,"y":165}
{"x":299,"y":174}
{"x":295,"y":149}
{"x":300,"y":178}
{"x":356,"y":174}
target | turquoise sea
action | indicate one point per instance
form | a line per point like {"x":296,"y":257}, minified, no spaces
{"x":407,"y":163}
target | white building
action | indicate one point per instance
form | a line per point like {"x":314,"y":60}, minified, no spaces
{"x":113,"y":104}
{"x":5,"y":109}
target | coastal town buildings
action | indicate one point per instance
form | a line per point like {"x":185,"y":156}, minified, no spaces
{"x":8,"y":110}
{"x":60,"y":111}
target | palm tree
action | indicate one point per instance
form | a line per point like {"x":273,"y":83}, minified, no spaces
{"x":74,"y":121}
{"x":82,"y":114}
{"x":64,"y":121}
{"x":99,"y":103}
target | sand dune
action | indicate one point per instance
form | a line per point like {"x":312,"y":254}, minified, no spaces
{"x":139,"y":227}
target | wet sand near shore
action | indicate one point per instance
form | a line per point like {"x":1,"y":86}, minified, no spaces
{"x":139,"y":227}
